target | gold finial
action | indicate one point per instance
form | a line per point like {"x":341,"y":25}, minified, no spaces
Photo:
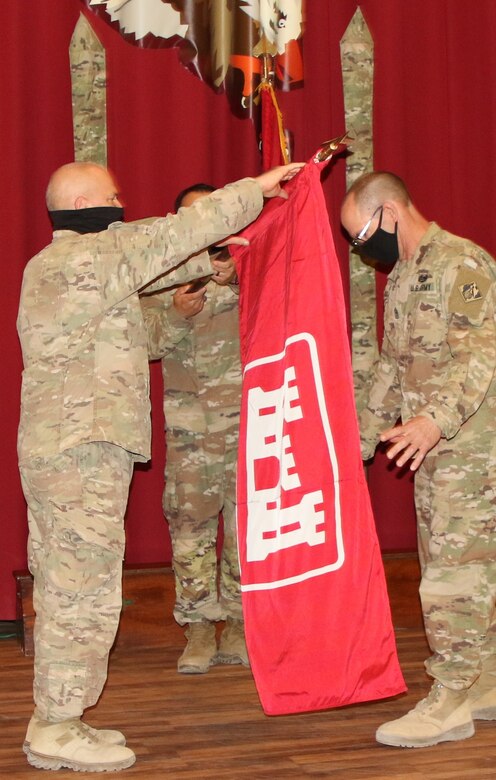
{"x":335,"y":145}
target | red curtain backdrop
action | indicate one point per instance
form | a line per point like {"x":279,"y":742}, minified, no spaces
{"x":433,"y":124}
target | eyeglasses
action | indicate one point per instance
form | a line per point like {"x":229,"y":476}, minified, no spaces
{"x":359,"y":239}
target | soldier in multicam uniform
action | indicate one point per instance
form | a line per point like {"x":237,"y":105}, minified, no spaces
{"x":196,"y":333}
{"x":437,"y":372}
{"x":85,"y":420}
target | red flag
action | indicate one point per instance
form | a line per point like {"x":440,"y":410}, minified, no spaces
{"x":274,"y":151}
{"x":318,"y":623}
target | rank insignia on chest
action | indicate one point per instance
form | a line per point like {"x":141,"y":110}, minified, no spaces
{"x":470,"y":292}
{"x":422,"y":284}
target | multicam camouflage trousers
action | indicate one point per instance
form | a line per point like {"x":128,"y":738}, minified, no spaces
{"x":76,"y":504}
{"x":455,"y":495}
{"x":200,"y":482}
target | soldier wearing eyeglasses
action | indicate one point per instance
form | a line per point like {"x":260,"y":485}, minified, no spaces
{"x":436,"y":375}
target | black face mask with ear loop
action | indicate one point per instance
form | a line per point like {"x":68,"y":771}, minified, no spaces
{"x":382,"y":246}
{"x":92,"y":220}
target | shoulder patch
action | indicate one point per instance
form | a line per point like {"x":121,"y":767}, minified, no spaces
{"x":469,"y":292}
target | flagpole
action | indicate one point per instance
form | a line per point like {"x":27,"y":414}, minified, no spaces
{"x":273,"y":138}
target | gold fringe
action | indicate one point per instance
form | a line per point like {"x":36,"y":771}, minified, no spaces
{"x":282,"y":137}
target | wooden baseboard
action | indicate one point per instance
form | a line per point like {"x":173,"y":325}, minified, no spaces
{"x":148,"y":599}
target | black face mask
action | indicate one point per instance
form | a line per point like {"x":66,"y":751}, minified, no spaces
{"x":382,"y":246}
{"x":92,"y":220}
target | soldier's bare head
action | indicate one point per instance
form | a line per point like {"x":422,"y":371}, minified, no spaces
{"x":367,"y":194}
{"x":372,"y":189}
{"x":81,"y":185}
{"x":381,"y":200}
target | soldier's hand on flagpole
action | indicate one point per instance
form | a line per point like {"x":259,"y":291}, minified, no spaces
{"x":270,"y":181}
{"x":222,"y":262}
{"x":224,"y":269}
{"x":187,"y":304}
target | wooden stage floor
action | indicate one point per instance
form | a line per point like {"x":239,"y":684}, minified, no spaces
{"x":212,"y":726}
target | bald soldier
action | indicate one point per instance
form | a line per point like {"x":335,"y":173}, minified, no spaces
{"x":85,"y":420}
{"x":436,"y":372}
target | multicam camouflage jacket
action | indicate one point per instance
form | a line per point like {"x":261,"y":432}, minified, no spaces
{"x":438,"y":356}
{"x":200,"y":358}
{"x":81,"y":329}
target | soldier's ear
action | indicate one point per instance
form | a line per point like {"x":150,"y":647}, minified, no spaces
{"x":390,"y":212}
{"x":81,"y":202}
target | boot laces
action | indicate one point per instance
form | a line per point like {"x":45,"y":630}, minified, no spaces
{"x":431,"y":699}
{"x":84,"y":733}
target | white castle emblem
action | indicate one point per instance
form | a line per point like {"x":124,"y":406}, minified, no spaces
{"x":271,"y":528}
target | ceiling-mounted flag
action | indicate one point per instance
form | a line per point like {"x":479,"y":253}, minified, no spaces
{"x":221,"y":41}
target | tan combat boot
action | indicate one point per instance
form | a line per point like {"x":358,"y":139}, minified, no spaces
{"x":199,"y":654}
{"x":105,"y":735}
{"x":232,"y":645}
{"x":70,"y":745}
{"x":482,"y":697}
{"x":443,"y":716}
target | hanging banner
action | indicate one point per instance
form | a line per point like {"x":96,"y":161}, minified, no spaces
{"x":273,"y":142}
{"x":317,"y":617}
{"x":220,"y":41}
{"x":357,"y":67}
{"x":89,"y":94}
